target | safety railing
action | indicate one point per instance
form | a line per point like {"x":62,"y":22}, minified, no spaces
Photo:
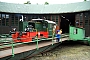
{"x":37,"y":40}
{"x":8,"y":43}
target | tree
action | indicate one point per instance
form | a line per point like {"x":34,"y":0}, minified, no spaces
{"x":37,"y":3}
{"x":85,"y":0}
{"x":46,"y":3}
{"x":28,"y":2}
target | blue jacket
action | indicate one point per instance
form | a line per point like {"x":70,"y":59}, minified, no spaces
{"x":58,"y":36}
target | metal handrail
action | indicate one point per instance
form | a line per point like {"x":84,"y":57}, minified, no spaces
{"x":37,"y":40}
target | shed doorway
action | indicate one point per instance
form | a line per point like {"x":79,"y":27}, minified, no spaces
{"x":66,"y":20}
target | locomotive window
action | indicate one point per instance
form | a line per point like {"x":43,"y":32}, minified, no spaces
{"x":32,"y":24}
{"x":75,"y":31}
{"x":44,"y":26}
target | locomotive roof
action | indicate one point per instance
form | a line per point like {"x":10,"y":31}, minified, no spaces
{"x":44,"y":20}
{"x":51,"y":22}
{"x":38,"y":19}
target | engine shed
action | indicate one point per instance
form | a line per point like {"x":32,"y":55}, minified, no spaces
{"x":73,"y":19}
{"x":77,"y":15}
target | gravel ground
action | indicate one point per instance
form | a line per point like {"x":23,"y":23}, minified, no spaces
{"x":66,"y":51}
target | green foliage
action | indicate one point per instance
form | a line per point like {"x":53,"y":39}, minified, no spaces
{"x":28,"y":2}
{"x":85,"y":0}
{"x":37,"y":3}
{"x":46,"y":3}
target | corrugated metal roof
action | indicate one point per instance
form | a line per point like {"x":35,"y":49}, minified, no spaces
{"x":44,"y":9}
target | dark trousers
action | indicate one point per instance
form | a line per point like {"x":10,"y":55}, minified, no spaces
{"x":58,"y":39}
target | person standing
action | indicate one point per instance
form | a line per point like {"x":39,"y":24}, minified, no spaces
{"x":54,"y":28}
{"x":58,"y":35}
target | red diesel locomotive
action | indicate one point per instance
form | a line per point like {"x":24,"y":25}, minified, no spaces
{"x":31,"y":30}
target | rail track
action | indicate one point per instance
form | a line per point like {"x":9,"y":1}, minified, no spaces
{"x":69,"y":50}
{"x":7,"y":45}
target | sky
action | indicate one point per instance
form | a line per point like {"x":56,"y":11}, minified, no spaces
{"x":42,"y":1}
